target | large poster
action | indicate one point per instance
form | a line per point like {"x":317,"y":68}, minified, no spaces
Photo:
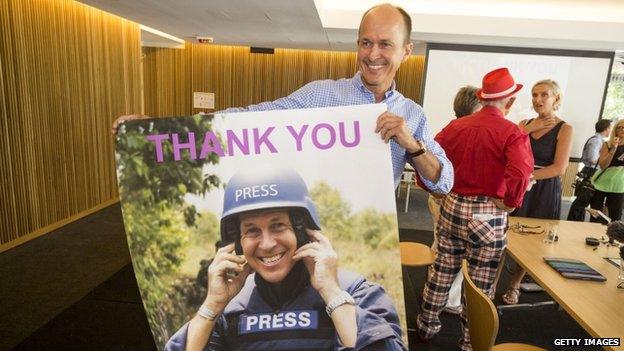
{"x":190,"y":185}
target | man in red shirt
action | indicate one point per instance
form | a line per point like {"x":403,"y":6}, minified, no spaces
{"x":493,"y":163}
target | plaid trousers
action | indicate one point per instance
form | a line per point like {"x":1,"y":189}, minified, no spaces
{"x":472,"y":228}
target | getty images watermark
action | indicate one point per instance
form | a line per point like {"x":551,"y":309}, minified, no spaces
{"x":587,"y":342}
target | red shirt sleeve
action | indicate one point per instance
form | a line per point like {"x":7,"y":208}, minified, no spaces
{"x":518,"y":168}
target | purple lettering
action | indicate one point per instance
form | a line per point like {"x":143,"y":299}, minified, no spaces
{"x":157,"y":139}
{"x":332,"y":136}
{"x":242,"y":146}
{"x":177,"y":146}
{"x":263,"y":139}
{"x":356,"y":134}
{"x":211,"y":144}
{"x":298,"y":136}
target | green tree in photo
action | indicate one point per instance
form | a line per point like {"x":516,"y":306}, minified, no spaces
{"x":157,"y":219}
{"x":334,"y":213}
{"x":368,"y":225}
{"x":375,"y":228}
{"x":206,"y":230}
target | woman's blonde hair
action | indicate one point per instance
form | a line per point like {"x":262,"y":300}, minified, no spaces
{"x":614,"y":131}
{"x":554,"y":88}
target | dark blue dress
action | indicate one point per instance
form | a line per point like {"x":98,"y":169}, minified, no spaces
{"x":544,"y":198}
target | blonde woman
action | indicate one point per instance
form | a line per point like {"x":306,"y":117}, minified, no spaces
{"x":609,"y":183}
{"x":551,"y":141}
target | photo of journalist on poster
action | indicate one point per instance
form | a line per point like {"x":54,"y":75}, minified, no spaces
{"x":270,"y":226}
{"x":264,"y":230}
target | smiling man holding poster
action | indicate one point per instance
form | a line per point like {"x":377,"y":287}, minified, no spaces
{"x":383,"y":45}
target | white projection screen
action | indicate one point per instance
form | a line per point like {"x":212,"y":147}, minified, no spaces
{"x":582,"y":75}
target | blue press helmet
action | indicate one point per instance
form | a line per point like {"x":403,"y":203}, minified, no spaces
{"x":257,"y":189}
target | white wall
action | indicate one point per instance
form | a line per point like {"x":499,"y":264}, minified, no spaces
{"x":582,"y":80}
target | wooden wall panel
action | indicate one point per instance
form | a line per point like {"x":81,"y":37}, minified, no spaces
{"x":240,"y":78}
{"x":568,"y":179}
{"x":66,"y":71}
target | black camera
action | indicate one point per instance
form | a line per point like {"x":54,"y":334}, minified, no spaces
{"x":591,"y":241}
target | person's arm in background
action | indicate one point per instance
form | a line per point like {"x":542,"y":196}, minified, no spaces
{"x":593,"y":150}
{"x":300,"y":98}
{"x":517,"y":170}
{"x":433,"y":167}
{"x":607,"y":152}
{"x":562,"y":155}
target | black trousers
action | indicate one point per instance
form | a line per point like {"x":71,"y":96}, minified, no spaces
{"x":614,"y":202}
{"x":577,"y":209}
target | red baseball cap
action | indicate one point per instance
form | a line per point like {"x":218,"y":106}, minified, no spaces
{"x":498,"y":84}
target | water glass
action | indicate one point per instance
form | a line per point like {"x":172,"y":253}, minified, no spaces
{"x":551,"y":233}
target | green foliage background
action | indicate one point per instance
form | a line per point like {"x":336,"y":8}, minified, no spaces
{"x":171,"y":244}
{"x":158,"y":222}
{"x":614,"y":102}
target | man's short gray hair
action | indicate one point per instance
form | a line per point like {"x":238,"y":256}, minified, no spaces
{"x":500,"y":103}
{"x":466,"y":101}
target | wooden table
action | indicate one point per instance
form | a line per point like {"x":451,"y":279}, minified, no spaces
{"x":596,"y":306}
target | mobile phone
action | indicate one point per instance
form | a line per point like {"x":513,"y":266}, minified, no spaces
{"x":299,"y":223}
{"x":530,"y":287}
{"x":231,"y":274}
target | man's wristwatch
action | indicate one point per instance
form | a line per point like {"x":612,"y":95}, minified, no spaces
{"x":205,"y":312}
{"x":339,"y":300}
{"x":422,"y":150}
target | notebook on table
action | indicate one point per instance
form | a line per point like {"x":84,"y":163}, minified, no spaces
{"x":574,"y":269}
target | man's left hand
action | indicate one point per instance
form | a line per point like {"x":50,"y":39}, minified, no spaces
{"x":321,"y":261}
{"x":390,"y":126}
{"x":501,"y":205}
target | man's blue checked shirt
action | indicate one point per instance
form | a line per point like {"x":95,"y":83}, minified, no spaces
{"x":351,"y":91}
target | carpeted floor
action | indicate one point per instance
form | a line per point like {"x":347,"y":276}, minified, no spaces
{"x":536,"y":326}
{"x":74,"y":289}
{"x":43,"y":277}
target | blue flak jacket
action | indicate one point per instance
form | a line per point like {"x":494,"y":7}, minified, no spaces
{"x":260,"y":318}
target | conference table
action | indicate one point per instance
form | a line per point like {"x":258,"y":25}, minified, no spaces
{"x":597,"y":306}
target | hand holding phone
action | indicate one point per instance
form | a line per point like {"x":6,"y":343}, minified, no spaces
{"x":226,"y":277}
{"x":321,"y":261}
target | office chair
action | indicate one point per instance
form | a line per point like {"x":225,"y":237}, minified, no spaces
{"x":483,"y":320}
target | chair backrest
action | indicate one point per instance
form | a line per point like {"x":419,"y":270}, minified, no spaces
{"x":481,"y":313}
{"x":416,"y":254}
